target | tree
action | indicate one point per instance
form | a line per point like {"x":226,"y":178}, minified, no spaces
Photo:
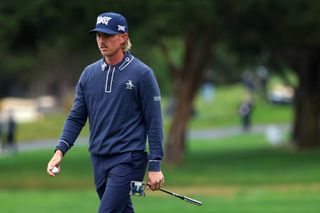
{"x":47,"y":40}
{"x":281,"y":32}
{"x":183,"y":21}
{"x":287,"y":31}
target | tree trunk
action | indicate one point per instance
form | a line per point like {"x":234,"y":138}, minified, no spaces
{"x":175,"y":148}
{"x":306,"y":128}
{"x":197,"y":55}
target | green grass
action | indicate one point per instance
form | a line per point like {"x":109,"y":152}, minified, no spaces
{"x":47,"y":127}
{"x":243,"y":160}
{"x":236,"y":174}
{"x":86,"y":202}
{"x":244,"y":202}
{"x":49,"y":201}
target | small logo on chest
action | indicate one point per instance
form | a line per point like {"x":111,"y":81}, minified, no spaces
{"x":129,"y":85}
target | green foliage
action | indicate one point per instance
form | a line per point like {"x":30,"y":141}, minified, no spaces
{"x":51,"y":36}
{"x":271,"y":24}
{"x":157,"y":62}
{"x":46,"y":38}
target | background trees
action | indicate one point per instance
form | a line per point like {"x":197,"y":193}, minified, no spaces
{"x":44,"y":40}
{"x":287,"y":34}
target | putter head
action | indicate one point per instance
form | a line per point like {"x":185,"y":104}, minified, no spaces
{"x":137,"y":188}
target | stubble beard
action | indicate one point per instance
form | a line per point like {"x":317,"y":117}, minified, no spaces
{"x":110,"y":53}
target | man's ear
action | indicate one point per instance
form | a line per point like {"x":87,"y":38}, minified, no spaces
{"x":124,"y":37}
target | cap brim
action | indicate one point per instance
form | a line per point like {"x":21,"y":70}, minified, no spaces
{"x":101,"y":30}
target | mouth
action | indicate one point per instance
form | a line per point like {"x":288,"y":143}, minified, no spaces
{"x":103,"y":48}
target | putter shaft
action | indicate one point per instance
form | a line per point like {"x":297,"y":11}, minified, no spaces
{"x":185,"y":198}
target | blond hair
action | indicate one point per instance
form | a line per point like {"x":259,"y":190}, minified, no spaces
{"x":127,"y":45}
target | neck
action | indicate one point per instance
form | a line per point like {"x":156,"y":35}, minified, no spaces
{"x":115,"y":58}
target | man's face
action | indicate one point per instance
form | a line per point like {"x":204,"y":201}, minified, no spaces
{"x":109,"y":45}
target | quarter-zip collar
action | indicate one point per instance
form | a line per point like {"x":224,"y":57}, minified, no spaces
{"x":127,"y":59}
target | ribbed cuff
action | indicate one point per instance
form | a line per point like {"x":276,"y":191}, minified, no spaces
{"x":63,"y":146}
{"x":154,"y":166}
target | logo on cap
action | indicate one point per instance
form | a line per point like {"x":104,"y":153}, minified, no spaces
{"x":110,"y":23}
{"x":122,"y":28}
{"x":103,"y":20}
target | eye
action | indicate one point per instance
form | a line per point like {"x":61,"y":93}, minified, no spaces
{"x":107,"y":35}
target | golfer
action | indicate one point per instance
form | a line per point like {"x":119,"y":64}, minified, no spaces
{"x":120,"y":97}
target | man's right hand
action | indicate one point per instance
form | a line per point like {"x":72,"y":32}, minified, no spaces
{"x":155,"y":180}
{"x":55,"y":162}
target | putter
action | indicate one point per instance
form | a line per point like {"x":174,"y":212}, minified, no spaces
{"x":138,"y":187}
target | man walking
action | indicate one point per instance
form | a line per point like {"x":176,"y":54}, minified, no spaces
{"x":121,"y":99}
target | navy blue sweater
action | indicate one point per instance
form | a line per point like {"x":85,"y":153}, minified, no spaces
{"x":123,"y":104}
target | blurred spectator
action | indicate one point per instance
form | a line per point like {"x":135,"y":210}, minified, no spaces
{"x":263,"y":77}
{"x":248,"y":81}
{"x":208,"y":88}
{"x":245,"y":112}
{"x":11,"y":137}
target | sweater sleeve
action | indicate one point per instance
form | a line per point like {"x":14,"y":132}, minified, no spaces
{"x":151,"y":108}
{"x":75,"y":120}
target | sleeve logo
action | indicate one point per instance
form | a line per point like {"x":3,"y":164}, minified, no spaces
{"x":157,"y":98}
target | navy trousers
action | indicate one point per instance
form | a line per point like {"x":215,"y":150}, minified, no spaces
{"x":112,"y":177}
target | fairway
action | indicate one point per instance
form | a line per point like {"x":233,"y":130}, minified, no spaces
{"x":234,"y":174}
{"x":250,"y":200}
